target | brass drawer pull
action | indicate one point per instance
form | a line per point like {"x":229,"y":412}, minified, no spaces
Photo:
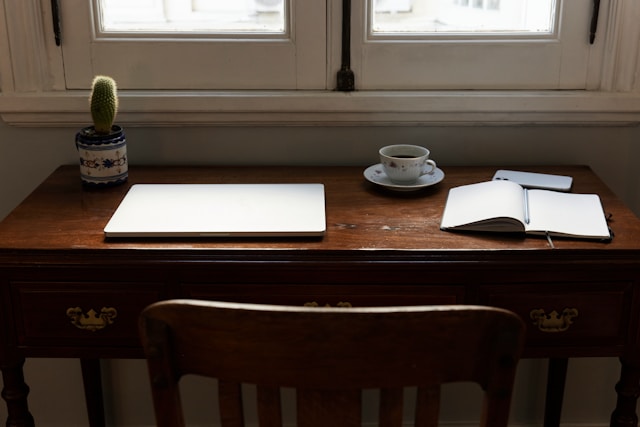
{"x":553,"y":322}
{"x":340,"y":304}
{"x":92,"y":321}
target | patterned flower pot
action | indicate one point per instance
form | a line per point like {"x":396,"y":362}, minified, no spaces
{"x":103,"y":158}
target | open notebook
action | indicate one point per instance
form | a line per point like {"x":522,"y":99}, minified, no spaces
{"x":219,"y":210}
{"x":506,"y":206}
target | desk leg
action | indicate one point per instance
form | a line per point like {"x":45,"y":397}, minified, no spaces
{"x":556,"y":377}
{"x":92,"y":379}
{"x":15,"y":394}
{"x":628,"y":389}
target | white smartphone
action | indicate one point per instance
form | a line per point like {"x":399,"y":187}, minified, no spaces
{"x":536,"y":180}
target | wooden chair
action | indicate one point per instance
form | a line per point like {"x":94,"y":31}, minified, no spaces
{"x":329,"y":355}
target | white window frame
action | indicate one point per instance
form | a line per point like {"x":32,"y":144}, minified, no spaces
{"x":493,"y":61}
{"x":33,"y":92}
{"x":294,"y":59}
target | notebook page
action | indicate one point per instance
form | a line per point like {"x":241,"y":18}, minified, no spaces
{"x":481,"y":202}
{"x":567,"y":213}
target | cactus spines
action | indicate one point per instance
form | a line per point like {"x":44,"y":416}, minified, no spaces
{"x":104,"y":104}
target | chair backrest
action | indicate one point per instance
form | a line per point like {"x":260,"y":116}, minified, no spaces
{"x":329,"y":355}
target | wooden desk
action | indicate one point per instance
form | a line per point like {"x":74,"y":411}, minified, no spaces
{"x":66,"y":292}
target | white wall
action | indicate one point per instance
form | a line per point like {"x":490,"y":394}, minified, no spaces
{"x":28,"y":155}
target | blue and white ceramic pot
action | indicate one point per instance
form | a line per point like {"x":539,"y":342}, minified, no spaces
{"x":103,"y":158}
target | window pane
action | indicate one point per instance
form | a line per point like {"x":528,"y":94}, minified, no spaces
{"x":189,"y":16}
{"x":462,"y":16}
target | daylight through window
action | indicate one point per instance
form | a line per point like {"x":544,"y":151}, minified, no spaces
{"x":189,"y":16}
{"x":462,"y":16}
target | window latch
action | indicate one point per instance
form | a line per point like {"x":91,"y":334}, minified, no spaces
{"x":346,"y":78}
{"x":594,"y":21}
{"x":55,"y":13}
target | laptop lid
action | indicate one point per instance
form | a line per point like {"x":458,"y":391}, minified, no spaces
{"x":219,"y":210}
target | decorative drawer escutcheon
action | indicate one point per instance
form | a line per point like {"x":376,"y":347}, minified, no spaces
{"x":92,"y":321}
{"x":553,"y":322}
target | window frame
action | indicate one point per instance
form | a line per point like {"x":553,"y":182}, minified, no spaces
{"x":555,"y":60}
{"x":33,"y":91}
{"x":290,"y":60}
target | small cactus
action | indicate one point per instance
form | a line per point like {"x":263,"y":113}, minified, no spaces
{"x":104,"y":104}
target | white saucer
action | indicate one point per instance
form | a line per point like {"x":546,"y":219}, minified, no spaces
{"x":376,"y":175}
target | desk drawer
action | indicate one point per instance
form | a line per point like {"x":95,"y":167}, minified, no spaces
{"x":80,"y":314}
{"x":585,"y":314}
{"x":326,"y":295}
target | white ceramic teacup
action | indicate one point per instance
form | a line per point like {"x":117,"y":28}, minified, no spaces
{"x":404,"y":164}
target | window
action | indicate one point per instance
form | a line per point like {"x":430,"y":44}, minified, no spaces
{"x":477,"y":44}
{"x":153,"y":44}
{"x":407,"y":44}
{"x":285,"y":73}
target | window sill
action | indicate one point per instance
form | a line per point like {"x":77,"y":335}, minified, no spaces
{"x":299,"y":108}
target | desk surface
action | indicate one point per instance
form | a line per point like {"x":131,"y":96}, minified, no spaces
{"x":61,"y":215}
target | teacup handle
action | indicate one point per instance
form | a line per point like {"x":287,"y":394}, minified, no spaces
{"x":429,"y":167}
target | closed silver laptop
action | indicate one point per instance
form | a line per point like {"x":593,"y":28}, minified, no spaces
{"x":219,"y":210}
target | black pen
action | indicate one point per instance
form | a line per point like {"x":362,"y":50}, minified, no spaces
{"x":526,"y":206}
